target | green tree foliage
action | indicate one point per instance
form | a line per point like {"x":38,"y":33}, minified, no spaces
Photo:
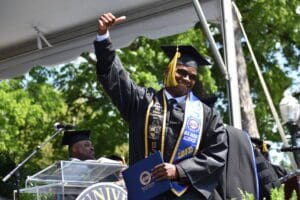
{"x":28,"y":109}
{"x":27,"y":112}
{"x":272,"y":27}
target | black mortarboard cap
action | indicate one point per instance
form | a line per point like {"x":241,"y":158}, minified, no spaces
{"x":70,"y":137}
{"x":189,"y":55}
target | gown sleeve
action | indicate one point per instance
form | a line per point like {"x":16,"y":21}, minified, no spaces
{"x":124,"y":93}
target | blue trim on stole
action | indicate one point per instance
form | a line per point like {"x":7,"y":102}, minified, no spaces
{"x":190,"y":138}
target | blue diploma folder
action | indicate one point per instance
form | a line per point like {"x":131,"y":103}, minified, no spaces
{"x":138,"y":179}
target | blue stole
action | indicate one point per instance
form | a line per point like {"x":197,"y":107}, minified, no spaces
{"x":188,"y":141}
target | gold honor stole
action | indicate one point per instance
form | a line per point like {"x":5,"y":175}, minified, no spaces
{"x":188,"y":141}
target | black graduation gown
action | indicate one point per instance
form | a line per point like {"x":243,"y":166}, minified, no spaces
{"x":201,"y":171}
{"x":240,"y":172}
{"x":246,"y":169}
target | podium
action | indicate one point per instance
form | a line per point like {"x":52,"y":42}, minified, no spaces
{"x":65,"y":180}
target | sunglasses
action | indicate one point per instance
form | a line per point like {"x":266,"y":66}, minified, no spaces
{"x":185,"y":73}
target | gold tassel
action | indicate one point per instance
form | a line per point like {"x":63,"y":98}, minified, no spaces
{"x":264,"y":147}
{"x":170,"y":80}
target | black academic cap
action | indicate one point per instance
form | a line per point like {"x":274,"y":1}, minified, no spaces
{"x":72,"y":136}
{"x":189,"y":55}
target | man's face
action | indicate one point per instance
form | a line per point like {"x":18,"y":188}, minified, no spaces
{"x":83,"y":150}
{"x":186,"y":78}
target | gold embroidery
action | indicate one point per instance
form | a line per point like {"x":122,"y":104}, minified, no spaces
{"x":185,"y":152}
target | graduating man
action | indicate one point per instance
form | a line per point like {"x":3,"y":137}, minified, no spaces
{"x":189,"y":134}
{"x":80,"y":146}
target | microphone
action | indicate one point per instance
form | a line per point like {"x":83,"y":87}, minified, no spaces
{"x":59,"y":125}
{"x":288,"y":149}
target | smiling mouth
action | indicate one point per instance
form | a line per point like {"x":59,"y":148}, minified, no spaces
{"x":187,"y":86}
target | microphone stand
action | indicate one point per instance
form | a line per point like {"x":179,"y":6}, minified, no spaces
{"x":16,"y":169}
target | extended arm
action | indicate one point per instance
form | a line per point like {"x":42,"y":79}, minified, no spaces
{"x":110,"y":72}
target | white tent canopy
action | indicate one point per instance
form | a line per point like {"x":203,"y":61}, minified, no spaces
{"x":70,"y":27}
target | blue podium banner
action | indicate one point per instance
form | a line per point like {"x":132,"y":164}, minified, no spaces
{"x":138,"y":179}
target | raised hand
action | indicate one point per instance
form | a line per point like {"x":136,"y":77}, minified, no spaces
{"x":107,"y":20}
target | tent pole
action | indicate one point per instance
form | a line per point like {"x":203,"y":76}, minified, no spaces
{"x":230,"y":59}
{"x":210,"y":38}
